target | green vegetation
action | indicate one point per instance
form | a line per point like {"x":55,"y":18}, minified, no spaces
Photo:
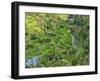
{"x":56,"y":39}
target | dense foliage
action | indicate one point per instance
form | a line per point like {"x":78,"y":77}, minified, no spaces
{"x":56,"y":39}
